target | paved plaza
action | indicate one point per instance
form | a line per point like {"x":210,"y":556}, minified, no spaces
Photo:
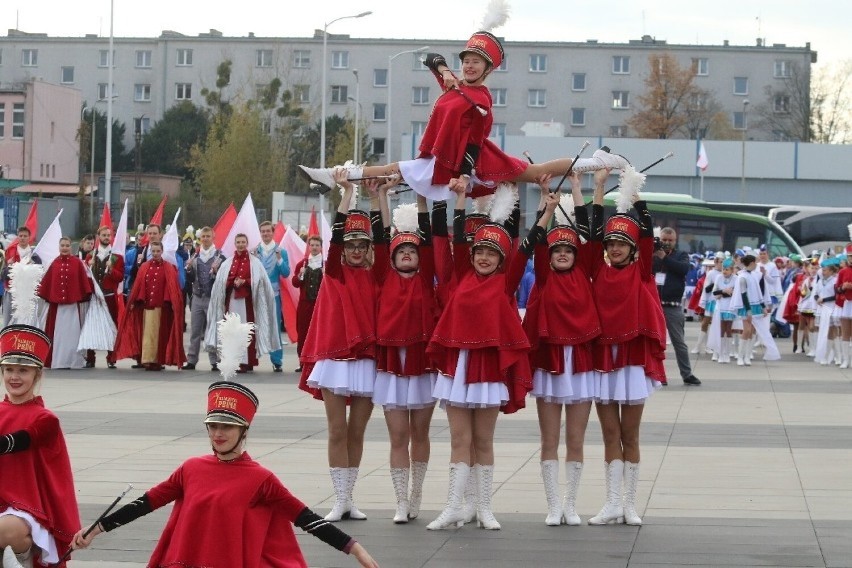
{"x":754,"y":468}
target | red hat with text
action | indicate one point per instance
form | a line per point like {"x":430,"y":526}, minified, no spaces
{"x":485,"y":45}
{"x":230,"y":403}
{"x":622,"y":227}
{"x":493,"y":236}
{"x":357,"y":226}
{"x":562,"y":235}
{"x":23,"y":345}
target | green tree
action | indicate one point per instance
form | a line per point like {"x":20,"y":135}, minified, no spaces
{"x":215,"y":99}
{"x":122,"y":160}
{"x":166,"y":147}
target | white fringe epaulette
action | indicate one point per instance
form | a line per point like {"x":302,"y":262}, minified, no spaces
{"x":496,"y":15}
{"x":505,"y":197}
{"x":630,"y":183}
{"x":405,"y":218}
{"x":24,"y":281}
{"x":234,"y":339}
{"x":567,"y":203}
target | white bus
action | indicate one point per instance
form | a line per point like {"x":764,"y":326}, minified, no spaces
{"x":815,"y":228}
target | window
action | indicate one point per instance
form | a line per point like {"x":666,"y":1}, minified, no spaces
{"x":103,"y":91}
{"x":700,"y":66}
{"x":740,"y":85}
{"x":740,"y":121}
{"x":538,"y":63}
{"x":184,"y":57}
{"x":621,"y":64}
{"x":697,"y":102}
{"x":499,"y":97}
{"x":498,"y":130}
{"x":339,"y":93}
{"x":379,"y":146}
{"x":621,"y":99}
{"x":782,"y":69}
{"x":578,"y":117}
{"x":302,"y":94}
{"x":380,"y":111}
{"x":103,"y":58}
{"x":143,"y":58}
{"x":417,"y":129}
{"x":264,"y":58}
{"x":380,"y":77}
{"x":18,"y":120}
{"x":302,"y":59}
{"x":781,"y":104}
{"x":502,"y":65}
{"x":141,"y":125}
{"x":183,"y":91}
{"x":578,"y":82}
{"x":537,"y":98}
{"x":340,"y":60}
{"x":618,"y":131}
{"x":142,"y":93}
{"x":29,"y":57}
{"x":2,"y":121}
{"x":420,"y":95}
{"x":66,"y":75}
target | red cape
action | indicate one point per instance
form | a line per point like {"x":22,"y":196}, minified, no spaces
{"x":227,"y":514}
{"x":39,"y":480}
{"x":129,"y":341}
{"x":696,"y":295}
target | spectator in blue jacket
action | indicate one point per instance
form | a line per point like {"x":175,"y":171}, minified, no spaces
{"x":277,"y":265}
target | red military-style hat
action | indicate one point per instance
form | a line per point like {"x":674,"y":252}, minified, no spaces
{"x":23,"y":345}
{"x":562,"y":235}
{"x":622,"y":227}
{"x":404,"y":238}
{"x":230,"y":403}
{"x":357,"y":226}
{"x":472,"y":222}
{"x":494,"y":236}
{"x":486,"y":45}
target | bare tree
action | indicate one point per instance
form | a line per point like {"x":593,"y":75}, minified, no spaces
{"x":831,"y":104}
{"x":664,"y":107}
{"x":785,"y":112}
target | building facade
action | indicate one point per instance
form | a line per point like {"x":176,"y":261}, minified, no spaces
{"x":584,"y":89}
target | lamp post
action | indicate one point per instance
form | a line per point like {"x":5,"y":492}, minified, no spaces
{"x":388,"y":144}
{"x":324,"y":87}
{"x":742,"y":176}
{"x":356,"y":152}
{"x":108,"y":165}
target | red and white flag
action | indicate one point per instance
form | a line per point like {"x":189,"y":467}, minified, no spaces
{"x":119,"y":240}
{"x":702,"y":162}
{"x":245,"y":223}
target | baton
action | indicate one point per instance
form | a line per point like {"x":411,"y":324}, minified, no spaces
{"x":323,"y":189}
{"x":643,"y":170}
{"x":93,"y":525}
{"x":571,"y":167}
{"x":567,"y":217}
{"x":464,"y":95}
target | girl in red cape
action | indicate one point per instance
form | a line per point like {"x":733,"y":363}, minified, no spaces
{"x":630,"y":351}
{"x":407,"y":312}
{"x":455,"y":144}
{"x":38,"y":504}
{"x":229,"y":510}
{"x":480,"y":350}
{"x":561,"y":323}
{"x":339,"y":356}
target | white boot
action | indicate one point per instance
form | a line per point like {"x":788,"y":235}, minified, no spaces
{"x":453,"y":513}
{"x":470,"y":495}
{"x":725,"y":351}
{"x":741,"y":358}
{"x":21,"y":560}
{"x":550,"y":476}
{"x":612,"y":510}
{"x":399,"y":475}
{"x":484,"y":517}
{"x":748,"y":351}
{"x":324,"y":177}
{"x":573,"y":471}
{"x":353,"y":513}
{"x":340,"y":481}
{"x":418,"y":475}
{"x":631,"y":480}
{"x":600,"y":160}
{"x":844,"y":348}
{"x":701,"y":343}
{"x":838,"y":351}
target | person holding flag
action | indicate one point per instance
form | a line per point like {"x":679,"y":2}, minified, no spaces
{"x":201,"y":272}
{"x":19,"y":251}
{"x":307,"y":277}
{"x":277,"y":265}
{"x":108,"y":271}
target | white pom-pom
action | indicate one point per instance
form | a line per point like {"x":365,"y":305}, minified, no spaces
{"x":24,"y":280}
{"x":630,"y":183}
{"x":505,"y":197}
{"x":482,"y":204}
{"x":234,"y":339}
{"x":495,"y":15}
{"x":198,"y":233}
{"x":405,"y":217}
{"x":567,"y":203}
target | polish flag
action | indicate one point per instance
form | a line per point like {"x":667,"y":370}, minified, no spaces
{"x":325,"y":234}
{"x":106,"y":218}
{"x":223,"y":226}
{"x":245,"y":223}
{"x":48,"y":247}
{"x":702,"y":162}
{"x":119,"y":240}
{"x":296,"y":248}
{"x":156,"y":219}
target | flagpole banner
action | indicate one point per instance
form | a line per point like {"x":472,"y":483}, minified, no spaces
{"x":245,"y":223}
{"x":223,"y":225}
{"x":702,"y":162}
{"x":119,"y":240}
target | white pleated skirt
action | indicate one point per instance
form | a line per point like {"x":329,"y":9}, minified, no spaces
{"x":628,"y":385}
{"x":567,"y":387}
{"x":396,"y":392}
{"x":455,"y":391}
{"x":355,"y":377}
{"x":41,"y":538}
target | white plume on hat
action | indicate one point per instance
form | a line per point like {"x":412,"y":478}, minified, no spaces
{"x":405,"y":218}
{"x":495,"y":15}
{"x":503,"y":203}
{"x":482,"y":204}
{"x":24,"y":281}
{"x":630,"y":183}
{"x":567,"y":204}
{"x":234,"y":339}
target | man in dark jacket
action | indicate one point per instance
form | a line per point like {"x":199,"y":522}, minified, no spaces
{"x":670,"y":269}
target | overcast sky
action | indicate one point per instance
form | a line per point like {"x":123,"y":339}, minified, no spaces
{"x":823,"y":23}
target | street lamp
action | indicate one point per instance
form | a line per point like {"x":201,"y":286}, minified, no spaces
{"x":388,"y":144}
{"x":324,"y":87}
{"x":357,"y":143}
{"x":742,"y":177}
{"x":108,"y":165}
